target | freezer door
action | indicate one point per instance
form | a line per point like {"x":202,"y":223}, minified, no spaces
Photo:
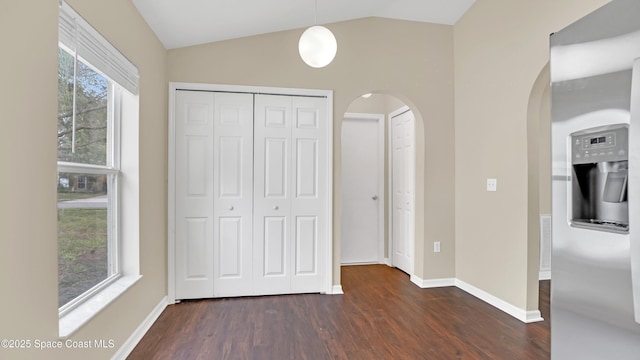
{"x":634,"y":188}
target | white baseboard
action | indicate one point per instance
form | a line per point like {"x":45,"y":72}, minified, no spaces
{"x":532,"y":316}
{"x":337,"y":290}
{"x":516,"y":312}
{"x":359,"y":263}
{"x":432,"y":283}
{"x":142,"y":329}
{"x":544,"y":275}
{"x":387,"y":261}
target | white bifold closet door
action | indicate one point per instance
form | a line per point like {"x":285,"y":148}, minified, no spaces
{"x":213,"y":194}
{"x":289,"y":199}
{"x":250,"y":194}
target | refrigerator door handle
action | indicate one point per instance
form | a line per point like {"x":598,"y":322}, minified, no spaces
{"x":634,"y":189}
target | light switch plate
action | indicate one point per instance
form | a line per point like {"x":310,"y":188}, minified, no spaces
{"x":492,"y":184}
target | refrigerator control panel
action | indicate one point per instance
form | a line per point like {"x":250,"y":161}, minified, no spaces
{"x":609,"y":143}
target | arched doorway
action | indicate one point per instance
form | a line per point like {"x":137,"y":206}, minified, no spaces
{"x":368,"y":175}
{"x":539,"y":180}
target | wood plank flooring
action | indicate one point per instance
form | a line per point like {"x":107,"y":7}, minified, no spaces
{"x":382,"y":315}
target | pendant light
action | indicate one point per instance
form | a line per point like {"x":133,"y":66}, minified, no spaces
{"x":317,"y":45}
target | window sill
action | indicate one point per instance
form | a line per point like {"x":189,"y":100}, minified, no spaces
{"x":76,"y":318}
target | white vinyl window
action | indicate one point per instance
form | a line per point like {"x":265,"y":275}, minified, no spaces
{"x":87,"y":160}
{"x":97,"y":113}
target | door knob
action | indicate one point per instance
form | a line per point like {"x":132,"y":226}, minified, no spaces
{"x":275,"y":207}
{"x":231,"y":208}
{"x":375,"y":197}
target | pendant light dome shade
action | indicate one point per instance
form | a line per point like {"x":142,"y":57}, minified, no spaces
{"x":317,"y":46}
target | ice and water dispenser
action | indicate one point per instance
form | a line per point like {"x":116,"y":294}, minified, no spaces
{"x":599,"y":158}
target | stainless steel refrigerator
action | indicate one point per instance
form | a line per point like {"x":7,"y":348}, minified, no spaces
{"x":595,"y":97}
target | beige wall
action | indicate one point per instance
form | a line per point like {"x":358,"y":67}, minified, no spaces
{"x":28,"y":257}
{"x":376,"y":104}
{"x":409,"y":60}
{"x":501,"y":47}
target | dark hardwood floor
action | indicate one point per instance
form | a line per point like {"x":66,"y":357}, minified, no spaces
{"x":382,"y":315}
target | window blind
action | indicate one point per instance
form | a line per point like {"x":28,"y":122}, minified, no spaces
{"x":76,"y":34}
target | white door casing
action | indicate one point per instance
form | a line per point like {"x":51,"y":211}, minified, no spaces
{"x":362,"y":221}
{"x":211,"y":179}
{"x":402,"y":164}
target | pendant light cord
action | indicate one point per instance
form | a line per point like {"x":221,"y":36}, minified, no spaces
{"x":316,"y":14}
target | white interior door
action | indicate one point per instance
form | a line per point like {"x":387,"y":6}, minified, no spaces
{"x":362,"y":189}
{"x":233,"y":194}
{"x":194,"y":195}
{"x":403,"y":188}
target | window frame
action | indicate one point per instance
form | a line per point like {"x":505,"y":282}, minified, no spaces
{"x":121,"y":173}
{"x":112,"y":173}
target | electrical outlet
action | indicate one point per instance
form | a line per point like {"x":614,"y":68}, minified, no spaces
{"x":492,"y":185}
{"x":436,"y":246}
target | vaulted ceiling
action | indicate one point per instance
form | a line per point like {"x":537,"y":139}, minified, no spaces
{"x":179,"y":23}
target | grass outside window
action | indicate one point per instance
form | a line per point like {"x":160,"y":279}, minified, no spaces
{"x":83,"y":256}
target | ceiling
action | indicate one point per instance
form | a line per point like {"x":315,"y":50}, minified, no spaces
{"x":179,"y":23}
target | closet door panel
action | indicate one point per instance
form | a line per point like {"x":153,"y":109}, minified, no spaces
{"x":272,"y":195}
{"x":194,"y":195}
{"x":196,"y":172}
{"x":196,"y":246}
{"x":231,"y":245}
{"x":275,"y":167}
{"x":233,"y":199}
{"x":309,"y":198}
{"x":231,"y":159}
{"x":275,"y":240}
{"x":306,"y":235}
{"x":306,"y":169}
